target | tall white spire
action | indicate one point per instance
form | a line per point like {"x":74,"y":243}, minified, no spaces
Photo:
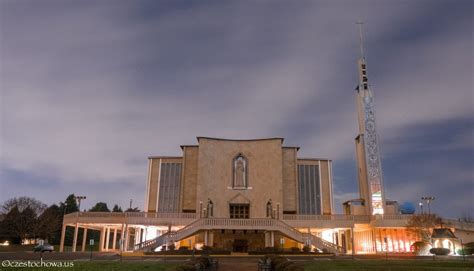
{"x":368,"y":156}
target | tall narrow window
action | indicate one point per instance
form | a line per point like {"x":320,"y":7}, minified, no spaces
{"x":170,"y":186}
{"x":309,"y":190}
{"x":240,"y":172}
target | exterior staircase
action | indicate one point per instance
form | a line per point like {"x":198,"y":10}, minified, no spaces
{"x":236,"y":224}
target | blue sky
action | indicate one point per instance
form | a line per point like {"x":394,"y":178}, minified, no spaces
{"x":89,"y":89}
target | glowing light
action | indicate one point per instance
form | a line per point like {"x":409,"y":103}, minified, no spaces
{"x":151,"y":233}
{"x":5,"y":244}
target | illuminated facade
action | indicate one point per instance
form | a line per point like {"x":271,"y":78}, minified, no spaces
{"x":243,"y":195}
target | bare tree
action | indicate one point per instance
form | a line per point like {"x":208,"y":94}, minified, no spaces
{"x":422,"y":225}
{"x":22,"y":203}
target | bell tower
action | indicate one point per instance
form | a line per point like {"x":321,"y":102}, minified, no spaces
{"x":367,"y":147}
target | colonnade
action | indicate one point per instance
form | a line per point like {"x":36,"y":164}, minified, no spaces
{"x":110,"y":233}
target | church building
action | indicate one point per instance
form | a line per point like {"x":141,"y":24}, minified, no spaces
{"x":250,"y":194}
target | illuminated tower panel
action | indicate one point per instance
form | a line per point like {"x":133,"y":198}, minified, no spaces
{"x":368,"y":157}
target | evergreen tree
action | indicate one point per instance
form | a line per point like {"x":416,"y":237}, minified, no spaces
{"x":134,"y":209}
{"x":117,"y":209}
{"x":67,"y":207}
{"x":49,"y":224}
{"x":70,"y":205}
{"x":100,"y":207}
{"x":19,"y":225}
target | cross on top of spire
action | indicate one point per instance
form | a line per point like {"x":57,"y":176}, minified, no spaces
{"x":360,"y":23}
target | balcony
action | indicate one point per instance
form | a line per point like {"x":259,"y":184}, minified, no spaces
{"x":325,"y":221}
{"x":130,"y":218}
{"x":183,"y":219}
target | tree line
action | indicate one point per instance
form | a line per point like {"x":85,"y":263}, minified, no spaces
{"x":28,"y":218}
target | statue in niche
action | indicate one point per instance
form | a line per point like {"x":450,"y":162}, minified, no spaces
{"x":270,"y":209}
{"x":240,"y":172}
{"x":210,"y":208}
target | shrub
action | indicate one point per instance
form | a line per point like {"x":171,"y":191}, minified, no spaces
{"x":468,"y":249}
{"x":276,"y":260}
{"x":206,"y":248}
{"x":270,"y":249}
{"x":465,"y":251}
{"x":183,"y":248}
{"x":204,"y":261}
{"x":282,"y":265}
{"x":306,"y":249}
{"x":469,"y":246}
{"x":439,"y":251}
{"x":295,"y":249}
{"x":171,"y":247}
{"x":421,"y":248}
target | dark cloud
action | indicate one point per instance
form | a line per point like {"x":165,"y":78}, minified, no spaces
{"x":90,"y":89}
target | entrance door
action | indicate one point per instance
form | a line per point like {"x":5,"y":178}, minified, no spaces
{"x":240,"y":245}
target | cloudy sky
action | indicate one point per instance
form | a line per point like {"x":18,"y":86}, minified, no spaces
{"x":89,"y":89}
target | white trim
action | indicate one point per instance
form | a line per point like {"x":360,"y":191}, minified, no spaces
{"x":158,"y":186}
{"x":297,"y":183}
{"x":331,"y":200}
{"x":147,"y":192}
{"x":321,"y":194}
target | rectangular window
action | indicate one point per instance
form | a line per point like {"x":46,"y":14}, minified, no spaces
{"x":309,"y":190}
{"x":239,"y":211}
{"x":170,"y":187}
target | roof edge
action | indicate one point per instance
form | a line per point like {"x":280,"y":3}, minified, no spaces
{"x":164,"y":157}
{"x":314,"y":159}
{"x":228,"y":139}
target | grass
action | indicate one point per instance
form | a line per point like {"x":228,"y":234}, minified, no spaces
{"x":392,"y":265}
{"x":104,"y":266}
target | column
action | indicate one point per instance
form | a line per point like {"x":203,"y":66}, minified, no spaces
{"x":102,"y":239}
{"x":272,"y":238}
{"x":107,"y":239}
{"x":74,"y":241}
{"x":63,"y":235}
{"x":267,"y":239}
{"x":137,"y":236}
{"x":122,"y":237}
{"x":114,"y":239}
{"x":211,"y":238}
{"x":127,"y":237}
{"x":206,"y":238}
{"x":84,"y":238}
{"x":352,"y":241}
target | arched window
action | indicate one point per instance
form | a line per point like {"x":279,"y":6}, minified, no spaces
{"x":240,"y":172}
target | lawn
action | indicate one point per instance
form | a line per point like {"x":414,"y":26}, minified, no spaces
{"x":105,"y":266}
{"x":391,"y":265}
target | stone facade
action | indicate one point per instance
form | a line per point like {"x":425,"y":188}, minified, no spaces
{"x":207,"y":173}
